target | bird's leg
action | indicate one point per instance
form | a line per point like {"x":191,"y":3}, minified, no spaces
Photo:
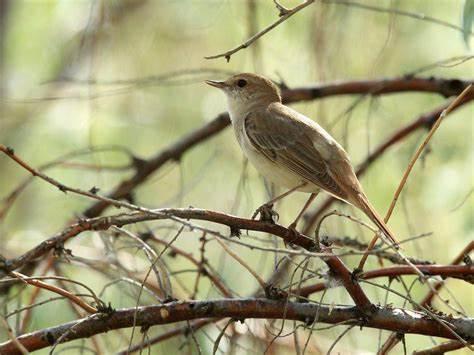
{"x":266,"y":211}
{"x":311,"y":198}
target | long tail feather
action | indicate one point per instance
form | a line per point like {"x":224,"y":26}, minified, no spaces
{"x":365,"y":206}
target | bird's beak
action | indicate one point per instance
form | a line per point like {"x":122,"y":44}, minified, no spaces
{"x":216,"y":83}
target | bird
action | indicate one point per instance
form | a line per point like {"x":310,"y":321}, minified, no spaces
{"x":290,"y":149}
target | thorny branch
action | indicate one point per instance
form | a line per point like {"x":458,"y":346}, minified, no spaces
{"x":235,"y":223}
{"x":285,"y":14}
{"x":464,"y":272}
{"x":197,"y":314}
{"x":144,"y":168}
{"x":413,"y":160}
{"x":394,"y":319}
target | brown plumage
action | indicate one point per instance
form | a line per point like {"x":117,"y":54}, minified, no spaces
{"x":289,"y":148}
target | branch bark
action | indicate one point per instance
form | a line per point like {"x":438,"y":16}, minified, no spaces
{"x":394,"y":319}
{"x":338,"y":268}
{"x":464,"y":272}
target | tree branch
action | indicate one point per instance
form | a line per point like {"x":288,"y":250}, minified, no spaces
{"x":463,"y":272}
{"x":284,"y":15}
{"x":336,"y":265}
{"x":394,"y":319}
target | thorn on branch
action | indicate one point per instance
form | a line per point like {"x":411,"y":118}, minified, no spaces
{"x":139,"y":163}
{"x":452,"y":87}
{"x":145,"y":236}
{"x":144,"y":329}
{"x":355,"y":275}
{"x":129,"y":197}
{"x":106,"y":309}
{"x":400,"y":336}
{"x":235,"y":232}
{"x":391,"y":278}
{"x":282,"y":11}
{"x":59,"y":251}
{"x":326,"y":241}
{"x":94,"y":190}
{"x":467,"y":259}
{"x":274,"y":293}
{"x":169,"y":299}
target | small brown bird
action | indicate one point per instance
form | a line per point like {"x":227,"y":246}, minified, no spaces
{"x":290,"y":149}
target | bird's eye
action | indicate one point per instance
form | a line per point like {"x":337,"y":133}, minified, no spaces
{"x":241,"y":83}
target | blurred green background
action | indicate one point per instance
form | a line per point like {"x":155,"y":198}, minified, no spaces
{"x":62,"y":63}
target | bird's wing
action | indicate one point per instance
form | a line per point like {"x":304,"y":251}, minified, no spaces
{"x":290,"y":141}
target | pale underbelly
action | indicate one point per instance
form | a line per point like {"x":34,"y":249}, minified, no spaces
{"x":278,"y":174}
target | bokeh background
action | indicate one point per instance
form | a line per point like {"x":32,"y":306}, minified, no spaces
{"x":79,"y":74}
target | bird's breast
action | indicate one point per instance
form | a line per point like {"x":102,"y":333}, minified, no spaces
{"x":276,"y":173}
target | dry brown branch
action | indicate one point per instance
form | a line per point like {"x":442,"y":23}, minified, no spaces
{"x":444,"y":87}
{"x":394,"y":319}
{"x":234,"y":223}
{"x":284,"y":15}
{"x":40,"y":284}
{"x":205,"y":269}
{"x":144,"y":168}
{"x":393,"y":339}
{"x":13,"y":339}
{"x":7,"y":202}
{"x":92,"y":193}
{"x":463,"y":272}
{"x":379,"y":252}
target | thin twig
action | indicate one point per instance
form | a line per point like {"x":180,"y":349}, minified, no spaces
{"x":18,"y":346}
{"x":287,"y":14}
{"x":422,"y":121}
{"x":242,"y":262}
{"x":410,"y":166}
{"x":414,"y":15}
{"x":73,"y":298}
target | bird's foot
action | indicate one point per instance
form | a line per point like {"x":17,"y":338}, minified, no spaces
{"x":267,"y":213}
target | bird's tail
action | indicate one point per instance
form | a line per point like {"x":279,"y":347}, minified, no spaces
{"x":364,"y":204}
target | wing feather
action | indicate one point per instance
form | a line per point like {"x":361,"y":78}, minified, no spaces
{"x":288,"y":142}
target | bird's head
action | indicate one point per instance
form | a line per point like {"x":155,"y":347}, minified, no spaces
{"x":245,"y":91}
